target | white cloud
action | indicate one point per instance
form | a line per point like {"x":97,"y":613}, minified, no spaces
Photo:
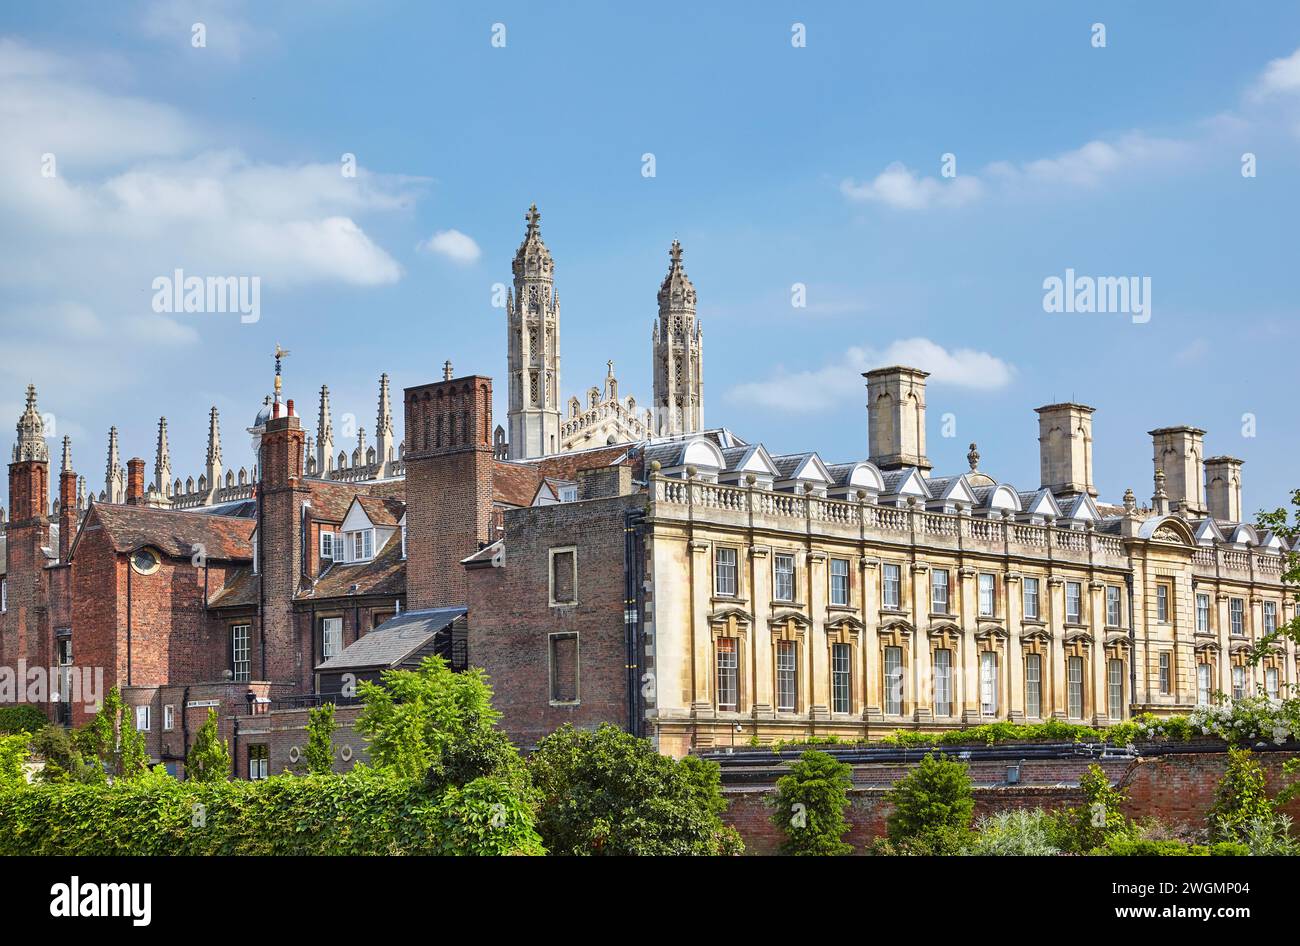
{"x":227,"y":34}
{"x":900,"y":187}
{"x":841,"y":381}
{"x":454,"y":245}
{"x":1281,"y":76}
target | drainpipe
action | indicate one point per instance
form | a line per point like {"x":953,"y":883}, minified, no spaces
{"x":633,"y":604}
{"x":128,"y":624}
{"x":1132,"y":645}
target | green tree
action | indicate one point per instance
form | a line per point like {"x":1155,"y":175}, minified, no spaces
{"x":209,"y":756}
{"x":1240,"y":799}
{"x":413,"y":718}
{"x":112,"y":739}
{"x":320,"y":739}
{"x":1280,"y":523}
{"x":64,"y":760}
{"x":608,"y":792}
{"x":932,"y":807}
{"x":14,"y":751}
{"x":1099,"y":820}
{"x":810,"y":804}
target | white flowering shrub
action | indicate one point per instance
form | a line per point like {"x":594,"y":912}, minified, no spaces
{"x":1250,"y":720}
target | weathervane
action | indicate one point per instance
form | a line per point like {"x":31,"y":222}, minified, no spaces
{"x":279,"y":354}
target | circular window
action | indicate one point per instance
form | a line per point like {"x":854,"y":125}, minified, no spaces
{"x":145,"y":561}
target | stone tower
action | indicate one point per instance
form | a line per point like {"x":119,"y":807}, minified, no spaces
{"x":1178,"y":451}
{"x":26,"y":534}
{"x":896,"y":417}
{"x":1065,"y":448}
{"x":533,"y":339}
{"x":678,"y":354}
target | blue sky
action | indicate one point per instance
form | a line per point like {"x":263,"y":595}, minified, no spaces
{"x":775,"y":165}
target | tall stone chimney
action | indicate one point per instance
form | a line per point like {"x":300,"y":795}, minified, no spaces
{"x":134,"y":481}
{"x":896,"y":417}
{"x":1223,"y":487}
{"x":1178,"y":452}
{"x":1065,"y":448}
{"x":67,"y":501}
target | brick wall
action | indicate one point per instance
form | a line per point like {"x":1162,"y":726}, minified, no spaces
{"x":511,"y":619}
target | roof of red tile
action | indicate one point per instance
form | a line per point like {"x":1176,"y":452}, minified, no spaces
{"x":382,"y":512}
{"x":385,"y":574}
{"x":175,"y":534}
{"x":514,"y":484}
{"x":330,"y":501}
{"x":239,"y":591}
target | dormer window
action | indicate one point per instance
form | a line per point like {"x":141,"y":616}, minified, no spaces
{"x":327,"y":545}
{"x":568,"y":494}
{"x":361,"y":545}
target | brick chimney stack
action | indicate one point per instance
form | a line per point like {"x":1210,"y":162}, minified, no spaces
{"x":67,"y":501}
{"x":134,"y":481}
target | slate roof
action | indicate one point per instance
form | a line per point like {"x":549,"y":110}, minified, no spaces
{"x":239,"y":591}
{"x":175,"y":534}
{"x":394,"y":640}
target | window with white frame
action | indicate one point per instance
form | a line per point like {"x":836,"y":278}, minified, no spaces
{"x":1114,"y":613}
{"x":939,"y":591}
{"x":988,"y":683}
{"x":258,"y":758}
{"x":403,"y":538}
{"x":1033,"y":685}
{"x":943,"y":682}
{"x":988,"y":595}
{"x":331,"y":637}
{"x":1203,"y":686}
{"x":1115,"y":687}
{"x":724,"y":572}
{"x":1203,"y":614}
{"x":1270,"y":682}
{"x":727,"y":656}
{"x":1270,"y":617}
{"x":1162,"y":603}
{"x":891,"y":586}
{"x":239,"y":653}
{"x":169,"y":717}
{"x":1237,"y":615}
{"x":1238,"y":683}
{"x":1164,"y":674}
{"x":841,"y":678}
{"x":142,"y":721}
{"x":327,"y":544}
{"x":786,"y":676}
{"x":783,"y":577}
{"x":1031,"y":598}
{"x":1074,"y":691}
{"x":840,"y":581}
{"x":361,"y":545}
{"x":1073,"y":601}
{"x":4,"y":594}
{"x":893,"y":681}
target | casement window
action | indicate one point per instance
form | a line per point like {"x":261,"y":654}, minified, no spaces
{"x":988,"y":595}
{"x":1073,"y":602}
{"x":239,"y":654}
{"x":403,"y":538}
{"x":1203,"y":689}
{"x":143,"y":723}
{"x":727,"y":656}
{"x":4,"y":594}
{"x":724,"y":572}
{"x":258,"y":758}
{"x":1033,"y":685}
{"x":1270,"y":617}
{"x":943,"y":682}
{"x":564,"y":576}
{"x":169,"y":717}
{"x":1115,"y":688}
{"x":786,"y":676}
{"x":327,"y":545}
{"x":1164,"y":674}
{"x":841,"y":678}
{"x":891,"y":586}
{"x":1270,"y":682}
{"x":893,"y":681}
{"x":361,"y":545}
{"x":1162,"y":603}
{"x":564,"y":668}
{"x":1238,"y":683}
{"x":331,"y":637}
{"x":988,"y":683}
{"x":783,"y":577}
{"x":939,"y":591}
{"x":1202,"y":614}
{"x":1074,"y":681}
{"x":1114,"y":613}
{"x":1237,"y":615}
{"x":1031,"y":598}
{"x":840,"y":581}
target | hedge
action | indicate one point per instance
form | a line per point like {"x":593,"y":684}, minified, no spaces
{"x":365,"y":811}
{"x":21,"y":717}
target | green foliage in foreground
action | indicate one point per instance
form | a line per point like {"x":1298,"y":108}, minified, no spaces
{"x":810,"y":803}
{"x":21,"y":718}
{"x":363,"y":812}
{"x":932,"y":807}
{"x":608,"y":792}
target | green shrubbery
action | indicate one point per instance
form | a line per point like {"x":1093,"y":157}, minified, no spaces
{"x":810,"y":803}
{"x":20,"y":718}
{"x":1022,"y":833}
{"x":932,"y":808}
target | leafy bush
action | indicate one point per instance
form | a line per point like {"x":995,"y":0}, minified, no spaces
{"x":64,"y":761}
{"x":365,"y":811}
{"x":1021,"y":833}
{"x":1099,"y":820}
{"x":209,"y":756}
{"x":20,"y":718}
{"x":932,"y":806}
{"x":1138,"y":847}
{"x":320,"y":739}
{"x":1240,"y":799}
{"x":13,"y":753}
{"x":608,"y":792}
{"x":810,"y":803}
{"x":1270,"y":837}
